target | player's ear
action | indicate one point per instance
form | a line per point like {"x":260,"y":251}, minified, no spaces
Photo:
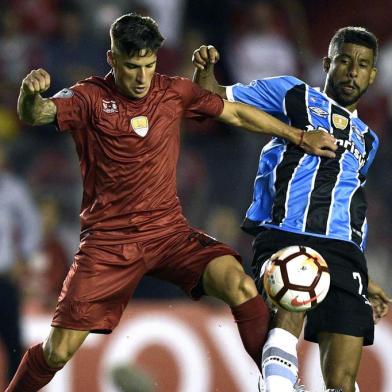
{"x":326,"y":64}
{"x":373,"y":74}
{"x":109,"y":58}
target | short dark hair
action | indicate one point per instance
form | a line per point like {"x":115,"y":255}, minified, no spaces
{"x":354,"y":35}
{"x":130,"y":33}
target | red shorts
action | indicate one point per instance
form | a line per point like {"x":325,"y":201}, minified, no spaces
{"x":102,"y":278}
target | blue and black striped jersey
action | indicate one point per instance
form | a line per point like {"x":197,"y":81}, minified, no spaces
{"x":303,"y":193}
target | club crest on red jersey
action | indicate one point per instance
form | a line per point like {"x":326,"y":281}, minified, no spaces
{"x":140,"y":125}
{"x":109,"y":106}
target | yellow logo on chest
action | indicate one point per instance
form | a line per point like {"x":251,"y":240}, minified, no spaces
{"x":339,"y":121}
{"x":140,"y":125}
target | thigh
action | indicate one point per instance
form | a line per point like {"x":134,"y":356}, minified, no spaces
{"x":98,"y":287}
{"x":185,"y":257}
{"x":340,"y":356}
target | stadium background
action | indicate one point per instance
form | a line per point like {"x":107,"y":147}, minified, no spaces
{"x":218,"y":164}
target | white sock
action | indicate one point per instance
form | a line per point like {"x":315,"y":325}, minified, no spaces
{"x":279,"y":362}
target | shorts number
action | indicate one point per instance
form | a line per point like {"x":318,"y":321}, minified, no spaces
{"x":357,"y":275}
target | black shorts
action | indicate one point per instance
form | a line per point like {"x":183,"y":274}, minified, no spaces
{"x":346,"y":309}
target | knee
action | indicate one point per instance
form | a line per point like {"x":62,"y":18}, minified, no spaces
{"x":56,"y":357}
{"x":239,"y":287}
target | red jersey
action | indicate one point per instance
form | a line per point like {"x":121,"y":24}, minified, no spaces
{"x":128,"y":151}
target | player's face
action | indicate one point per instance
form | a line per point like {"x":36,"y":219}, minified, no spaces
{"x":133,"y":75}
{"x":349,"y":74}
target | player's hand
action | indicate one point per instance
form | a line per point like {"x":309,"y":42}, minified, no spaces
{"x":204,"y":56}
{"x":36,"y":82}
{"x":379,"y":300}
{"x":319,"y":143}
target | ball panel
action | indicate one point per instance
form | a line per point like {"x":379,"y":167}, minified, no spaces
{"x":273,"y":281}
{"x":302,"y":270}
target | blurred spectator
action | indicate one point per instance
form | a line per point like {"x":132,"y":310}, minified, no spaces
{"x":257,"y":48}
{"x":73,"y":49}
{"x":385,"y":73}
{"x":20,"y":235}
{"x":36,"y":16}
{"x":16,"y":49}
{"x":50,"y":266}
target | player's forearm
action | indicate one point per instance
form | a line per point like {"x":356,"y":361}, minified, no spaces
{"x":255,"y":120}
{"x":35,"y":110}
{"x":206,"y":79}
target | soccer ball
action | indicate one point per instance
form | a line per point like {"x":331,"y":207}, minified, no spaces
{"x":296,"y":278}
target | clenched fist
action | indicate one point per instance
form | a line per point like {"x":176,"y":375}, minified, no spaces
{"x":36,"y":82}
{"x":205,"y":55}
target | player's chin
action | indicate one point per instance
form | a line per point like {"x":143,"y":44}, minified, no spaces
{"x":349,"y":99}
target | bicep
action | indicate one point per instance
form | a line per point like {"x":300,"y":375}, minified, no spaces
{"x":229,"y":113}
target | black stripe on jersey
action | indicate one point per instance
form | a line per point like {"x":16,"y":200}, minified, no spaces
{"x":338,"y":113}
{"x":296,"y":109}
{"x":369,"y":139}
{"x":321,"y":196}
{"x":358,"y":208}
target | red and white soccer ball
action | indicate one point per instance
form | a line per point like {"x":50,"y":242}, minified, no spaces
{"x":296,"y":278}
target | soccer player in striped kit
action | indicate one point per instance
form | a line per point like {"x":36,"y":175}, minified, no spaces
{"x":126,"y":128}
{"x":300,"y":199}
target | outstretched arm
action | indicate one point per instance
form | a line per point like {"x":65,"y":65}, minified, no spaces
{"x":32,"y":108}
{"x":244,"y":116}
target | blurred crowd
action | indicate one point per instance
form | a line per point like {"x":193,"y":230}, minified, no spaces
{"x":256,"y":39}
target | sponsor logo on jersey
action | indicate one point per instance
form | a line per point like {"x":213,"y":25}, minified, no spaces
{"x":318,"y":111}
{"x":140,"y":125}
{"x":109,"y":106}
{"x":350,"y":146}
{"x":339,"y":121}
{"x":64,"y":93}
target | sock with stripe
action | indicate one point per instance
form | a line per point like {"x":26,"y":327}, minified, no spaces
{"x":279,"y":361}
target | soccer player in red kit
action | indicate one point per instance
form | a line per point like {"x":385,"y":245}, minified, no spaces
{"x":126,"y":131}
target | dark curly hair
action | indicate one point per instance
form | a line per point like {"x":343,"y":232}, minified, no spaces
{"x":130,"y":33}
{"x":354,"y":35}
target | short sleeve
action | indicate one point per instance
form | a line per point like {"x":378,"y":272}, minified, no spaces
{"x":73,"y":107}
{"x":266,"y":94}
{"x":198,"y":102}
